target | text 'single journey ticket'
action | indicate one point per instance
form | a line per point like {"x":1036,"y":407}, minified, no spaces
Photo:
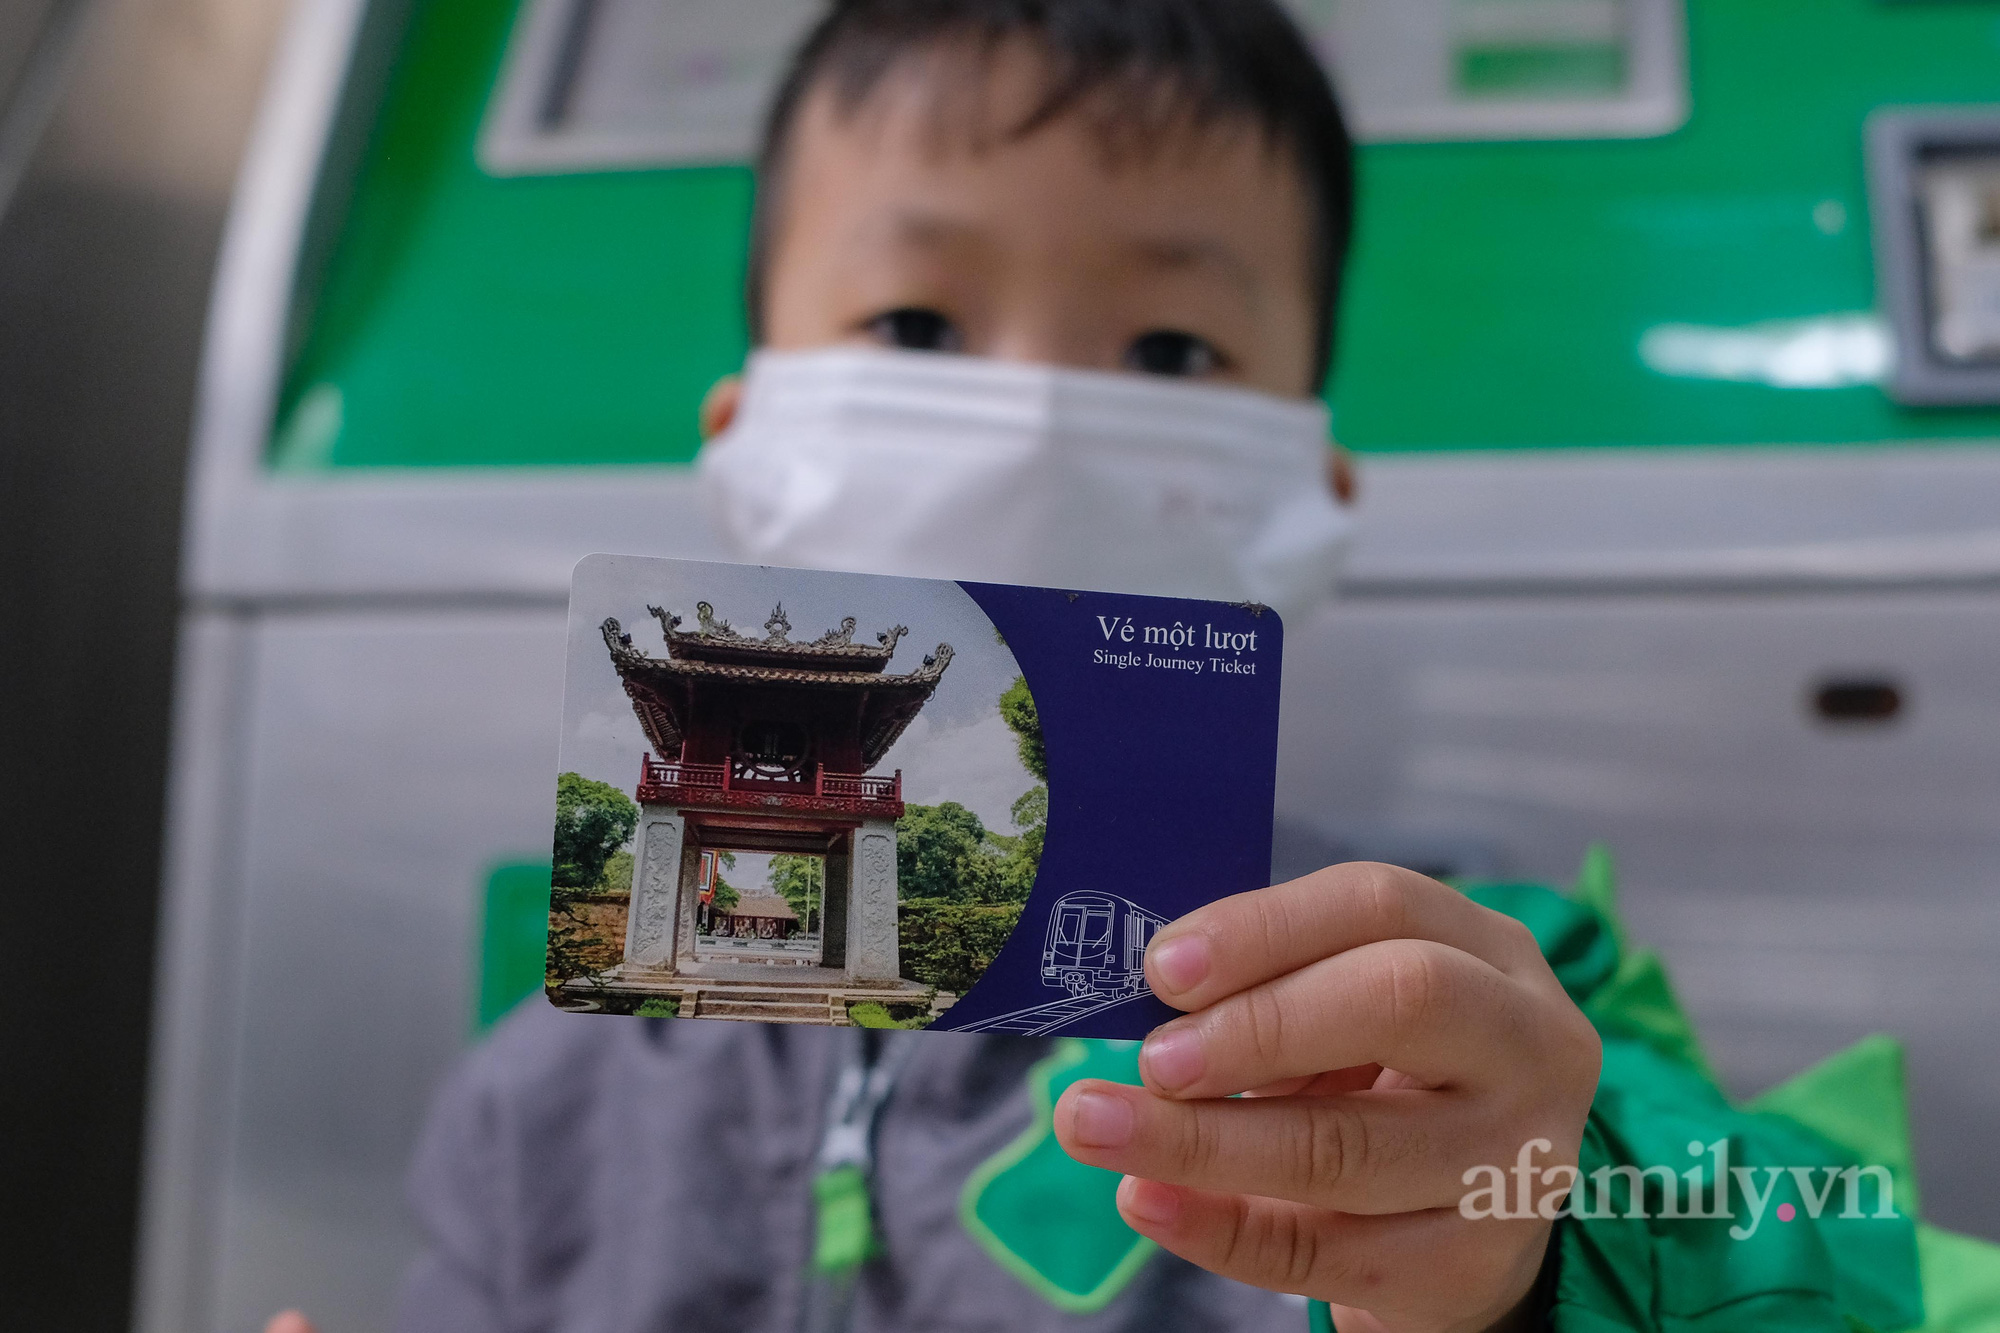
{"x":798,"y":797}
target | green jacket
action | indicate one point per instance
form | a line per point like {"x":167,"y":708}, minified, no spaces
{"x":1824,"y":1251}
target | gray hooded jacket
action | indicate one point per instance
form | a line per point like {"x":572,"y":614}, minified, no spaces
{"x":584,"y":1174}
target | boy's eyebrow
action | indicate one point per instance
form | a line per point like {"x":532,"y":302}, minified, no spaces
{"x":1179,"y":252}
{"x":925,"y":227}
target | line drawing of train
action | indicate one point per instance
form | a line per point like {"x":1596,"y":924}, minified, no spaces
{"x":1095,"y":949}
{"x":1096,"y":944}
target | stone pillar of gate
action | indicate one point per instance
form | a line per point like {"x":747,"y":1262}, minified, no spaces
{"x":872,"y":944}
{"x":654,"y":914}
{"x":835,"y":895}
{"x":688,"y":914}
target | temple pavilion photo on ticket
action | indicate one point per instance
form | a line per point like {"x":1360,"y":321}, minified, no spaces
{"x":787,"y":796}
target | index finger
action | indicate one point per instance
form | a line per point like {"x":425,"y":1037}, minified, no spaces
{"x":1251,"y":938}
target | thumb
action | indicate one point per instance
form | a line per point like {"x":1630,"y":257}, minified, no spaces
{"x":291,"y":1321}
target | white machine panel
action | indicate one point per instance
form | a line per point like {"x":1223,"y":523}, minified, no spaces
{"x":1808,"y":882}
{"x":389,"y":762}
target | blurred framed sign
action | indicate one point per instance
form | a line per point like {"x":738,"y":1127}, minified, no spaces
{"x":1935,"y":180}
{"x":591,"y":85}
{"x":1504,"y":69}
{"x":594,"y":85}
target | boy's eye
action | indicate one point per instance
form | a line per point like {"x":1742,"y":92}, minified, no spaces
{"x":917,"y":330}
{"x":1166,"y":352}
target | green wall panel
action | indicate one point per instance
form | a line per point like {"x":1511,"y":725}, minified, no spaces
{"x":534,"y":320}
{"x":1501,"y":290}
{"x":1499,"y":294}
{"x":513,"y":940}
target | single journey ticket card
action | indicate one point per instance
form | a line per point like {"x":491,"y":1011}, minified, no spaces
{"x":787,"y":796}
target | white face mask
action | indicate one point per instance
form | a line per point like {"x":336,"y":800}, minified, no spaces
{"x":941,"y":466}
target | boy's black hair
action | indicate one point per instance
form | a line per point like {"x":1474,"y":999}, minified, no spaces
{"x":1159,"y":64}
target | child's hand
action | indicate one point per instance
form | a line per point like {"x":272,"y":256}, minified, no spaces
{"x":1392,"y":1034}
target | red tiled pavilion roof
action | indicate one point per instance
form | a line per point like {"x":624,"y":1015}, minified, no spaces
{"x":662,"y":689}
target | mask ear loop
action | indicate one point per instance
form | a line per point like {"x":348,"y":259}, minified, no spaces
{"x":844,"y":1236}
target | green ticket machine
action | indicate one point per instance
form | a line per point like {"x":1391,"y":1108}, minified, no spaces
{"x":1671,"y":353}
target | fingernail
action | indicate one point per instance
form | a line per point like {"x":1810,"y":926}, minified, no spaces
{"x":1147,"y":1202}
{"x":1181,"y":963}
{"x":1100,"y":1120}
{"x":1172,"y":1059}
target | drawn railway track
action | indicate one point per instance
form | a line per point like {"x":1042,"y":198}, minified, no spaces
{"x":1045,"y":1019}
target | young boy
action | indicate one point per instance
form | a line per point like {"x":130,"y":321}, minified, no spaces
{"x":1161,"y":190}
{"x":1164,"y":189}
